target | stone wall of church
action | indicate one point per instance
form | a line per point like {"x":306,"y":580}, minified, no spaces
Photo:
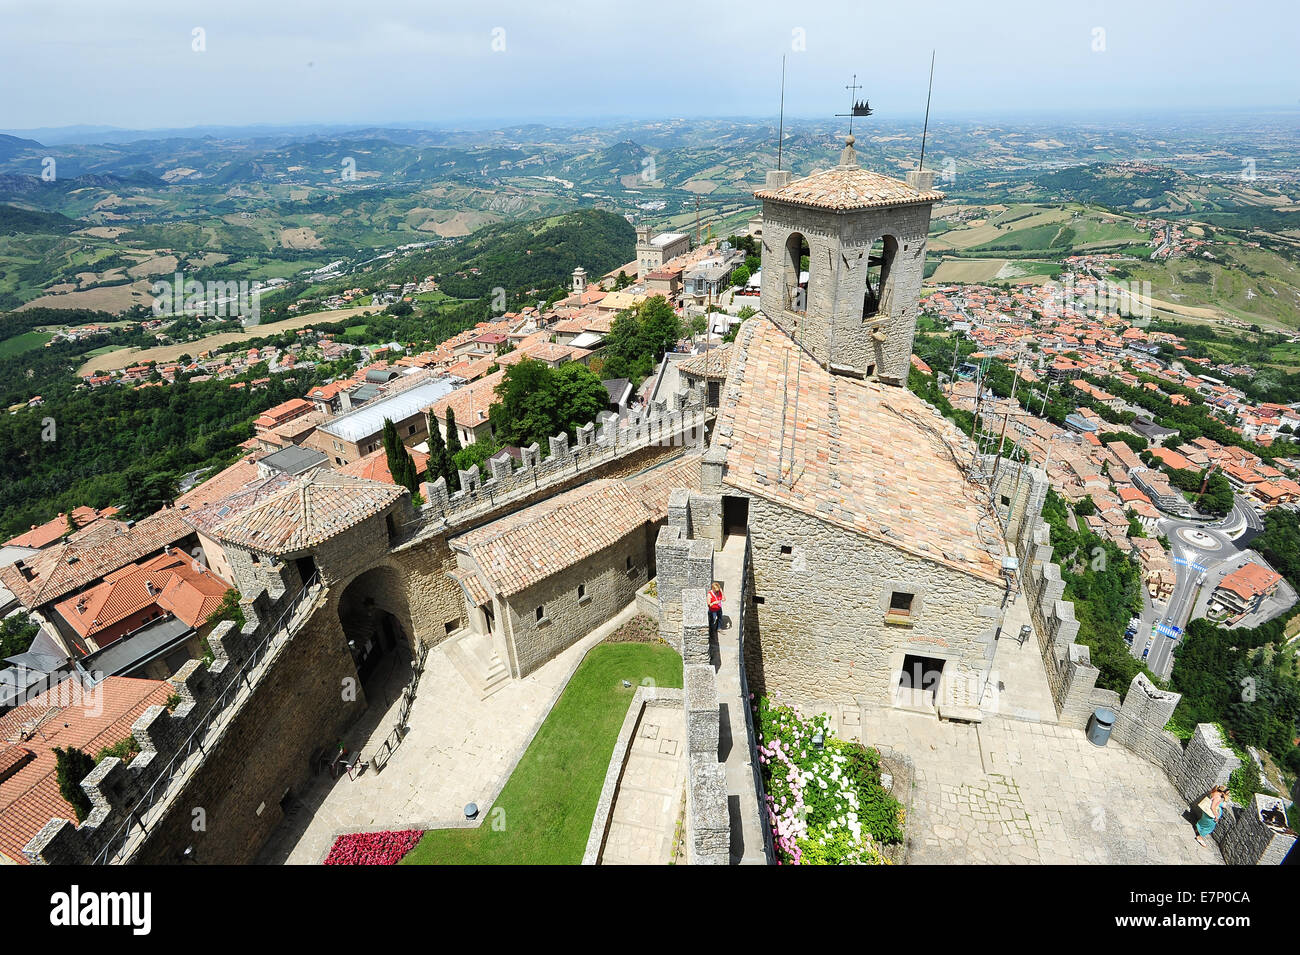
{"x":821,"y":633}
{"x":839,"y":245}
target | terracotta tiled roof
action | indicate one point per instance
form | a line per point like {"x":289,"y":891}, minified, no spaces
{"x":848,"y":186}
{"x":43,"y":535}
{"x":1250,"y":580}
{"x":710,"y":364}
{"x":240,"y":474}
{"x":470,"y":403}
{"x":190,"y":594}
{"x":314,"y":507}
{"x":652,"y":487}
{"x":865,"y":456}
{"x":61,"y":717}
{"x":88,"y":555}
{"x":524,"y":548}
{"x":471,"y":583}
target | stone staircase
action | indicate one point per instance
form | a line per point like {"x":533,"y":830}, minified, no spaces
{"x":478,"y":661}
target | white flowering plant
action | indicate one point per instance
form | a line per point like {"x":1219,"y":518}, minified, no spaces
{"x":824,"y":800}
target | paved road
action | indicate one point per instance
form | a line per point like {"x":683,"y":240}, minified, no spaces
{"x":1202,"y":554}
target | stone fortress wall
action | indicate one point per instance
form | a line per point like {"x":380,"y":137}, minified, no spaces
{"x":1019,"y":491}
{"x":211,"y":772}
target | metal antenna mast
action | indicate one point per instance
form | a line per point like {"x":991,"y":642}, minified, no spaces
{"x":780,"y":128}
{"x":926,"y":128}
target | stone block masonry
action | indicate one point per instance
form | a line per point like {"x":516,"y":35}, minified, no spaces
{"x":211,"y":773}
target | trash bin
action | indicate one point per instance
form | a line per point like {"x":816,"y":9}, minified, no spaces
{"x":1100,"y":724}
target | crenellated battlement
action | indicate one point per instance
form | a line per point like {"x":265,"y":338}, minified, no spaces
{"x":129,"y":799}
{"x":680,"y":422}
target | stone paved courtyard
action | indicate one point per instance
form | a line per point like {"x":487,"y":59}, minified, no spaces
{"x":1012,"y":792}
{"x":460,"y":749}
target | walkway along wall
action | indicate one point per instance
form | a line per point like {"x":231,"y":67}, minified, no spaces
{"x":1204,"y":762}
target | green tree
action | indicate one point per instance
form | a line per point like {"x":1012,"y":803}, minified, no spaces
{"x":16,"y":634}
{"x":582,"y":397}
{"x":740,"y":275}
{"x":453,"y":439}
{"x":400,"y":463}
{"x":71,"y":767}
{"x":440,"y":463}
{"x":528,"y":405}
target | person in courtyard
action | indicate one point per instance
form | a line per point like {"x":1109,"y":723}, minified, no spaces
{"x":715,"y":608}
{"x":1211,"y":808}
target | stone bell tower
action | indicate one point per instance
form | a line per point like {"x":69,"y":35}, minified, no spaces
{"x":853,"y":307}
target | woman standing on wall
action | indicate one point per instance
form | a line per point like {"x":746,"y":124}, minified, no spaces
{"x":1211,"y":808}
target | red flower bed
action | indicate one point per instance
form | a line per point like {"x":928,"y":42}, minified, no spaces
{"x":373,"y":848}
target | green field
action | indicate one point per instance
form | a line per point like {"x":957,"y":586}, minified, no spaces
{"x":546,"y":809}
{"x":24,"y":342}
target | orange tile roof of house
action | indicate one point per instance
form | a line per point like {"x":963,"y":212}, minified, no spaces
{"x":169,"y":580}
{"x":88,"y":555}
{"x":867,"y":457}
{"x":310,"y":509}
{"x":374,"y":466}
{"x":225,"y":482}
{"x":42,"y":535}
{"x":710,"y":364}
{"x":65,"y":716}
{"x":1250,"y":580}
{"x":653,"y":487}
{"x":470,"y":403}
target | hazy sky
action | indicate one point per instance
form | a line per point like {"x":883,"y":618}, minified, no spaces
{"x":133,"y":63}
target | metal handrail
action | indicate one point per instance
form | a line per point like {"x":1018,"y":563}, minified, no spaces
{"x":160,"y":785}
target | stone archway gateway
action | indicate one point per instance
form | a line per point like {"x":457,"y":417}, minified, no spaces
{"x":376,"y":618}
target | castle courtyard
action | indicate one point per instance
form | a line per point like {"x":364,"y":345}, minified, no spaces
{"x":460,"y":749}
{"x":1011,"y":792}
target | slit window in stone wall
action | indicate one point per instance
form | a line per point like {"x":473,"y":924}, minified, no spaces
{"x":582,"y":591}
{"x":541,"y":613}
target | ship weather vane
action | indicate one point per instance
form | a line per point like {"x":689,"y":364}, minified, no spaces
{"x":856,"y":107}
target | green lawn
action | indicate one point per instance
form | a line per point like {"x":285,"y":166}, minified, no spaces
{"x":24,"y":342}
{"x":550,"y":801}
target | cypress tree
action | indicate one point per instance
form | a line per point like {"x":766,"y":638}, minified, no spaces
{"x":453,"y":439}
{"x":439,"y":459}
{"x":400,"y":463}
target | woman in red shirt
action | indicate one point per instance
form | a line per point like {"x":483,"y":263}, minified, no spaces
{"x":715,"y":608}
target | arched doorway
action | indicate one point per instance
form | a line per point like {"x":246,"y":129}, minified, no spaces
{"x":880,"y":280}
{"x":376,"y":621}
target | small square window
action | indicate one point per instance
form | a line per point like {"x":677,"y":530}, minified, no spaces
{"x":451,"y":625}
{"x":759,"y":600}
{"x":541,"y":613}
{"x":900,"y":603}
{"x":786,"y":550}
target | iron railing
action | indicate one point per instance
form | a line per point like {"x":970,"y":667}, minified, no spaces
{"x":379,"y":759}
